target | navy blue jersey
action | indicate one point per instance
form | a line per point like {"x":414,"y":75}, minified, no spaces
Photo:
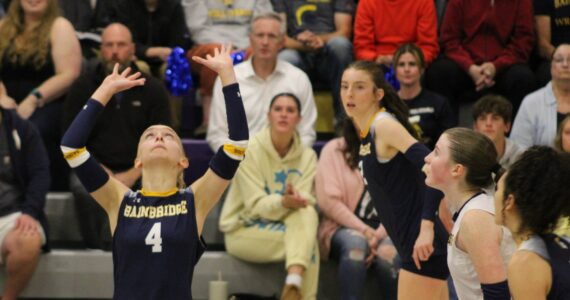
{"x":559,"y":258}
{"x":156,"y":246}
{"x":397,"y":188}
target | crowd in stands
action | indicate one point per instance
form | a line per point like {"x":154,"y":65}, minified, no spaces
{"x":508,"y":59}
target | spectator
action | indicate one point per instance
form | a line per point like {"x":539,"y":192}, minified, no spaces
{"x":350,"y":231}
{"x":114,"y":139}
{"x":88,"y":18}
{"x":318,"y":41}
{"x":24,"y":182}
{"x":269,"y":212}
{"x":430,"y":113}
{"x":157,"y":27}
{"x":375,"y":38}
{"x":486,"y":46}
{"x":542,"y":111}
{"x":562,"y":144}
{"x":261,"y":77}
{"x":552,"y":29}
{"x":214,"y":22}
{"x":40,"y":58}
{"x":492,"y":115}
{"x":86,"y":15}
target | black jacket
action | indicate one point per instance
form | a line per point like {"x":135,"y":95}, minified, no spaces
{"x":30,"y":164}
{"x":165,"y":27}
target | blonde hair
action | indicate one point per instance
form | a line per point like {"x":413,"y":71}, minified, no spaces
{"x":558,"y":138}
{"x":23,"y":46}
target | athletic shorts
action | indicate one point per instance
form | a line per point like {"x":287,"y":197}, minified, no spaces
{"x":434,"y":267}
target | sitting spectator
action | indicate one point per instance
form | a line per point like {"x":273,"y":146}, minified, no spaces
{"x":114,"y":139}
{"x":269,"y":213}
{"x":350,"y":231}
{"x":552,"y":21}
{"x":492,"y":115}
{"x":157,"y":27}
{"x":261,"y":77}
{"x":318,"y":41}
{"x":88,"y":17}
{"x":214,"y":22}
{"x":542,"y":111}
{"x":40,"y":58}
{"x":430,"y":113}
{"x":24,"y":182}
{"x":375,"y":38}
{"x":562,"y":144}
{"x":486,"y":47}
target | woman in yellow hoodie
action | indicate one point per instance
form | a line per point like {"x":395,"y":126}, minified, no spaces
{"x":269,"y":214}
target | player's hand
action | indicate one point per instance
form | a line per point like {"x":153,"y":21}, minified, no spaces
{"x":117,"y":82}
{"x":424,"y":243}
{"x":222,"y":63}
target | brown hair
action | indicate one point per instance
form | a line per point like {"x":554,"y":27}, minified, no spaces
{"x":493,"y":104}
{"x":27,"y":46}
{"x":558,"y":138}
{"x":412,"y":49}
{"x":352,"y":148}
{"x":391,"y":102}
{"x":477,"y":153}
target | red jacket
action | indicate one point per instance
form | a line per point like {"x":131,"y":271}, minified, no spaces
{"x":497,"y":31}
{"x":381,"y":26}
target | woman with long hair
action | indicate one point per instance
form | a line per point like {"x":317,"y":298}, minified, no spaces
{"x":462,"y":167}
{"x":350,"y":232}
{"x":392,"y":159}
{"x":269,"y":213}
{"x":430,"y":113}
{"x":40,"y":57}
{"x":157,"y":230}
{"x":530,"y":199}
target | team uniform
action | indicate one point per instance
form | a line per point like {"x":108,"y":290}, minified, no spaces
{"x":465,"y":280}
{"x":398,"y":191}
{"x":556,"y":251}
{"x":156,"y":245}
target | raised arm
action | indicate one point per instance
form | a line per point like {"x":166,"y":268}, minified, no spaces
{"x":107,"y":191}
{"x":223,"y":166}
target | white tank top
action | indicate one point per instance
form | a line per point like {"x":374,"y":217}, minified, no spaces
{"x":465,"y":280}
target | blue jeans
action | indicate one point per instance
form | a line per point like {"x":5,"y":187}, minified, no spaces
{"x":326,"y":65}
{"x":350,"y":249}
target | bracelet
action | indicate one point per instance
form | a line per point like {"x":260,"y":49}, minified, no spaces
{"x":39,"y":97}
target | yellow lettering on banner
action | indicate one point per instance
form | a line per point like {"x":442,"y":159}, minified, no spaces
{"x":153,"y":212}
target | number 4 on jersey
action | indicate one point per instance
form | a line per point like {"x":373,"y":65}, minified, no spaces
{"x":153,"y":238}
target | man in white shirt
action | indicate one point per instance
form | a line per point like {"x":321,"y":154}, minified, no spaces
{"x":260,"y":78}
